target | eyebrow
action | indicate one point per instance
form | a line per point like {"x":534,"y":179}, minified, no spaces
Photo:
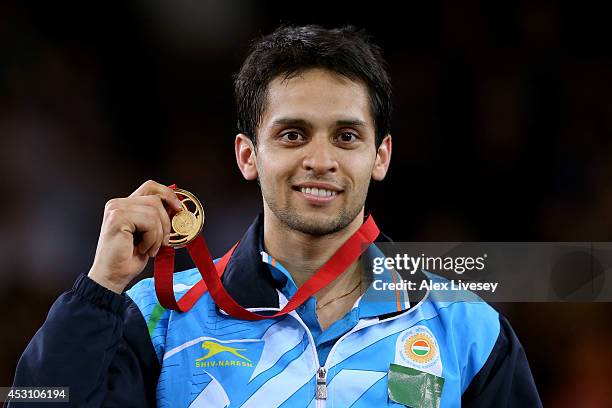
{"x":351,"y":122}
{"x":306,"y":124}
{"x":291,"y":122}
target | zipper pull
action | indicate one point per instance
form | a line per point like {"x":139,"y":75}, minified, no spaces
{"x":321,"y":383}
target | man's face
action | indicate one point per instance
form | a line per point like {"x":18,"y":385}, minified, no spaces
{"x":316,"y":151}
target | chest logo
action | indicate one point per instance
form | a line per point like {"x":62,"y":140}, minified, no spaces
{"x":420,"y":348}
{"x":214,"y":348}
{"x":417,"y":347}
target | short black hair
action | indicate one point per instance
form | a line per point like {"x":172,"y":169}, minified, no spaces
{"x":290,"y":50}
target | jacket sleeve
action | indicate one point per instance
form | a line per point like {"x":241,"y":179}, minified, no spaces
{"x":97,"y":343}
{"x":505,"y":380}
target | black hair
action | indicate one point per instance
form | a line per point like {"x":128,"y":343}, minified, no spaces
{"x":290,"y":50}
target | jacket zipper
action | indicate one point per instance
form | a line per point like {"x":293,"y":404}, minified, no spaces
{"x":321,"y":375}
{"x":362,"y":324}
{"x":321,"y":384}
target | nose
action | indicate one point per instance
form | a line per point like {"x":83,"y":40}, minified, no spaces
{"x":319,"y":156}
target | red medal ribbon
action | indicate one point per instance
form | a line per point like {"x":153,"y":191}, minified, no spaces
{"x":348,"y":253}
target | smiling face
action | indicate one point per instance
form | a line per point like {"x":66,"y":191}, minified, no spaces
{"x":315,"y":152}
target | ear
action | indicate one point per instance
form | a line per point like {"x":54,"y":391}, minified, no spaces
{"x":383,"y":159}
{"x":245,"y":156}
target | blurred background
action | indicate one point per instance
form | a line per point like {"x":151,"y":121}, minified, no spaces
{"x":502,"y":125}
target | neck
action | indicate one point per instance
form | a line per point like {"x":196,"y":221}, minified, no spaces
{"x":303,"y":254}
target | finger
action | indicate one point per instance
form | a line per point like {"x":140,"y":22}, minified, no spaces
{"x":155,"y":202}
{"x":167,"y":194}
{"x":143,"y":222}
{"x":151,"y":242}
{"x":150,"y":217}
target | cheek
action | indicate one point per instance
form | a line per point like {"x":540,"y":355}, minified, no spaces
{"x":359,"y":169}
{"x":272,"y":172}
{"x":364,"y":180}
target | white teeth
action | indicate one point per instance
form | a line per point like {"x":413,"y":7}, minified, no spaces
{"x":320,"y":192}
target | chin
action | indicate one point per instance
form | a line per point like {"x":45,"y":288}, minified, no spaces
{"x":317,"y":229}
{"x":311,"y":219}
{"x":317,"y":224}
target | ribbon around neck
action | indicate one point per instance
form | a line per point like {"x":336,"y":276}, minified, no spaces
{"x":211,"y":274}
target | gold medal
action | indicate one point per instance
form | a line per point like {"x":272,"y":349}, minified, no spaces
{"x":188,"y":222}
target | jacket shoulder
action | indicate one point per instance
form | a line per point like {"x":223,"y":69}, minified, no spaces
{"x":505,"y":379}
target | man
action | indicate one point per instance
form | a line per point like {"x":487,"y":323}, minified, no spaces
{"x":314,"y":110}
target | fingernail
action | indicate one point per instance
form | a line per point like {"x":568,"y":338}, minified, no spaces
{"x":172,"y":186}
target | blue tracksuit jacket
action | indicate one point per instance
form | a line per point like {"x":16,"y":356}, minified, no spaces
{"x":128,"y":351}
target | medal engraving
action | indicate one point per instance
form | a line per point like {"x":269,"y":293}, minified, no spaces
{"x":187,"y":223}
{"x":184,"y":222}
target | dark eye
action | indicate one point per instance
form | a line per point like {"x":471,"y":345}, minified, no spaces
{"x":292,"y":137}
{"x":347,"y":137}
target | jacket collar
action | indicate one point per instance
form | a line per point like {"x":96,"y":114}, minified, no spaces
{"x":248,"y":280}
{"x":246,"y":277}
